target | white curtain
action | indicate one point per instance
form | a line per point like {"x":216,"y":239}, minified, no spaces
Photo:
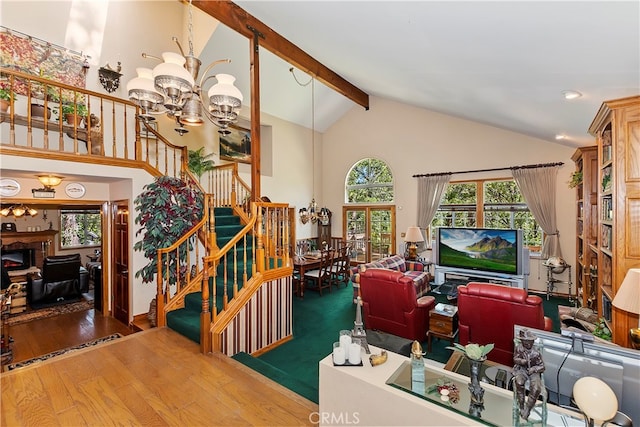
{"x":430,"y":192}
{"x":538,"y":186}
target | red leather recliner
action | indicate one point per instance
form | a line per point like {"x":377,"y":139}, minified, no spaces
{"x":390,"y":304}
{"x":487,"y":314}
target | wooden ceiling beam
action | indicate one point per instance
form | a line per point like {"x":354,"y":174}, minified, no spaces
{"x":236,"y":18}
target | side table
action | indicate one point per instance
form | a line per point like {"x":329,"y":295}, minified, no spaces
{"x":443,"y":324}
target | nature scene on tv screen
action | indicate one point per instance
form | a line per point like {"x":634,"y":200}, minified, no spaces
{"x":479,"y":249}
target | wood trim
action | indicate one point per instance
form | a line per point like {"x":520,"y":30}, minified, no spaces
{"x":236,"y":18}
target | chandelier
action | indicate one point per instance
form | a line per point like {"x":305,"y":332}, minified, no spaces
{"x":18,"y":211}
{"x":312,"y":213}
{"x":171,"y":88}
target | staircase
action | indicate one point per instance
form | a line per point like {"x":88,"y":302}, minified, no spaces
{"x":186,"y":321}
{"x":246,"y":254}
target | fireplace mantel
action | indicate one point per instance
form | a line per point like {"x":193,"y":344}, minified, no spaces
{"x":41,"y":241}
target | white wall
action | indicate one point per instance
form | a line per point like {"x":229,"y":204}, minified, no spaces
{"x":415,"y":141}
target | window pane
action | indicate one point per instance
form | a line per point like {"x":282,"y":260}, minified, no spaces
{"x":80,"y":228}
{"x":464,"y":193}
{"x":369,"y":181}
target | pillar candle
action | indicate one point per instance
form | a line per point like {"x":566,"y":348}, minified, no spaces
{"x":339,"y":356}
{"x":354,"y":354}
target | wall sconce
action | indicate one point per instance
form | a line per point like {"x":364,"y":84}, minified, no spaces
{"x":48,"y":182}
{"x":110,"y":78}
{"x":18,"y":211}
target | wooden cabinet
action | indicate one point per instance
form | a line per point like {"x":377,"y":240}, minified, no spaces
{"x":617,"y":131}
{"x":586,"y":161}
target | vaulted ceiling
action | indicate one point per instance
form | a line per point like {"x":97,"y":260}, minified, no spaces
{"x":502,"y":63}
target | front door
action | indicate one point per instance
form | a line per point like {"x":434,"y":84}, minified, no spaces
{"x":120,"y":219}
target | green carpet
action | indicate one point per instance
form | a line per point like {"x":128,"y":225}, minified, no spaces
{"x":316,"y":325}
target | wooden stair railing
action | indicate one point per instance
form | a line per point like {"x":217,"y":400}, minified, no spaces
{"x":116,"y":137}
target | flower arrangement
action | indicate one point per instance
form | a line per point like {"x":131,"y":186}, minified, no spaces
{"x":473,"y":351}
{"x":447,"y":390}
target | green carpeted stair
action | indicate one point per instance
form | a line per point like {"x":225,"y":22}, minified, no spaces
{"x":186,"y":321}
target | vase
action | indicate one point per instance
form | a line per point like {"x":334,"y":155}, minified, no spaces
{"x":477,"y":392}
{"x":4,"y":105}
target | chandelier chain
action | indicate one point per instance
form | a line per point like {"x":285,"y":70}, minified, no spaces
{"x":190,"y":28}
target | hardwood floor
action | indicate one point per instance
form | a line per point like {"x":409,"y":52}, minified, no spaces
{"x":154,"y":377}
{"x":43,"y":336}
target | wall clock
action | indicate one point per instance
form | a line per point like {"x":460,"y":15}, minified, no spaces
{"x":9,"y":187}
{"x":75,"y":190}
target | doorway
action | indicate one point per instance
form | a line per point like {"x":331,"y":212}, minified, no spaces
{"x":120,"y":258}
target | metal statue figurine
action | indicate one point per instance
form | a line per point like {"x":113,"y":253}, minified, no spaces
{"x":528,"y":367}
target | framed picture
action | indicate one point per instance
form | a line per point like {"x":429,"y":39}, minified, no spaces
{"x":236,"y":146}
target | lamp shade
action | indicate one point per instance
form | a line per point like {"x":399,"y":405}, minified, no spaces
{"x":141,"y":88}
{"x":628,"y":295}
{"x":49,"y":180}
{"x":414,"y":235}
{"x":224,"y":93}
{"x":595,"y":399}
{"x":171,"y":73}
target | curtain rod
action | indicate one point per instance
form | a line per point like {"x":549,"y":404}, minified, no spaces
{"x":540,"y":165}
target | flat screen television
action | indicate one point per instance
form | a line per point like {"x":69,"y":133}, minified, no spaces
{"x":18,"y":259}
{"x":480,"y":249}
{"x":567,"y":359}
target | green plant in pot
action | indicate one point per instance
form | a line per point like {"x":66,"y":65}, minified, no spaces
{"x":167,"y":208}
{"x":200,"y":163}
{"x":576,"y":179}
{"x":6,"y":95}
{"x":74,"y":113}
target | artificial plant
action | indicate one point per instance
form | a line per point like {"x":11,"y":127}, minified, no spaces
{"x":167,"y":209}
{"x":200,"y":163}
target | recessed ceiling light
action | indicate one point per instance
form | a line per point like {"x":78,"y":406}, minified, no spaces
{"x":571,"y":94}
{"x":560,"y":136}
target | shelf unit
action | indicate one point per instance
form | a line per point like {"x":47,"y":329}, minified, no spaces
{"x":586,"y":161}
{"x":616,"y":128}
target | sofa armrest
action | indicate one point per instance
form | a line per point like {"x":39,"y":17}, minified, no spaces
{"x":35,"y":288}
{"x":414,"y":266}
{"x":548,"y":324}
{"x":427,"y":302}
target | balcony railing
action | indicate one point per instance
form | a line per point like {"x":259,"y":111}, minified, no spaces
{"x":108,"y":130}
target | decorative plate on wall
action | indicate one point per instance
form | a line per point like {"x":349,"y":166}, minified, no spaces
{"x":75,"y":190}
{"x":9,"y":187}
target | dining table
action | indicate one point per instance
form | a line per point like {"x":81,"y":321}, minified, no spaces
{"x":305,"y":263}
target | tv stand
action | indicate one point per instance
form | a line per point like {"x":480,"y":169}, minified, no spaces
{"x":462,"y":276}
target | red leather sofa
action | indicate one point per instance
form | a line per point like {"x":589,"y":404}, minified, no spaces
{"x":391,"y":305}
{"x":487,"y":314}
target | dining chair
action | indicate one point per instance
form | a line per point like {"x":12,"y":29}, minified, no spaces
{"x":320,"y":278}
{"x":340,"y":269}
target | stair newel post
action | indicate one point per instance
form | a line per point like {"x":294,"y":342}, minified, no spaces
{"x":160,"y":295}
{"x":260,"y":256}
{"x":205,"y":314}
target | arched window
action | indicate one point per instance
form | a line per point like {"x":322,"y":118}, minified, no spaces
{"x":369,"y":218}
{"x":369,"y":181}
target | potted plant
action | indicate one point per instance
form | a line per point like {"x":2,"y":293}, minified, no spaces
{"x":167,"y":209}
{"x":200,"y":163}
{"x":73,"y":113}
{"x":6,"y":95}
{"x":576,"y":179}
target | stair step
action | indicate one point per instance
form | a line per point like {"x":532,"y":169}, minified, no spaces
{"x":292,"y":383}
{"x":185,"y":323}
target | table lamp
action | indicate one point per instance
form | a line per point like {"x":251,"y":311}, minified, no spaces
{"x":413,"y":236}
{"x":628,"y":299}
{"x":595,"y":399}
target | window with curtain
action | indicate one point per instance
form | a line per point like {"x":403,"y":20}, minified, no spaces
{"x":490,"y":204}
{"x":368,"y":219}
{"x":80,"y":228}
